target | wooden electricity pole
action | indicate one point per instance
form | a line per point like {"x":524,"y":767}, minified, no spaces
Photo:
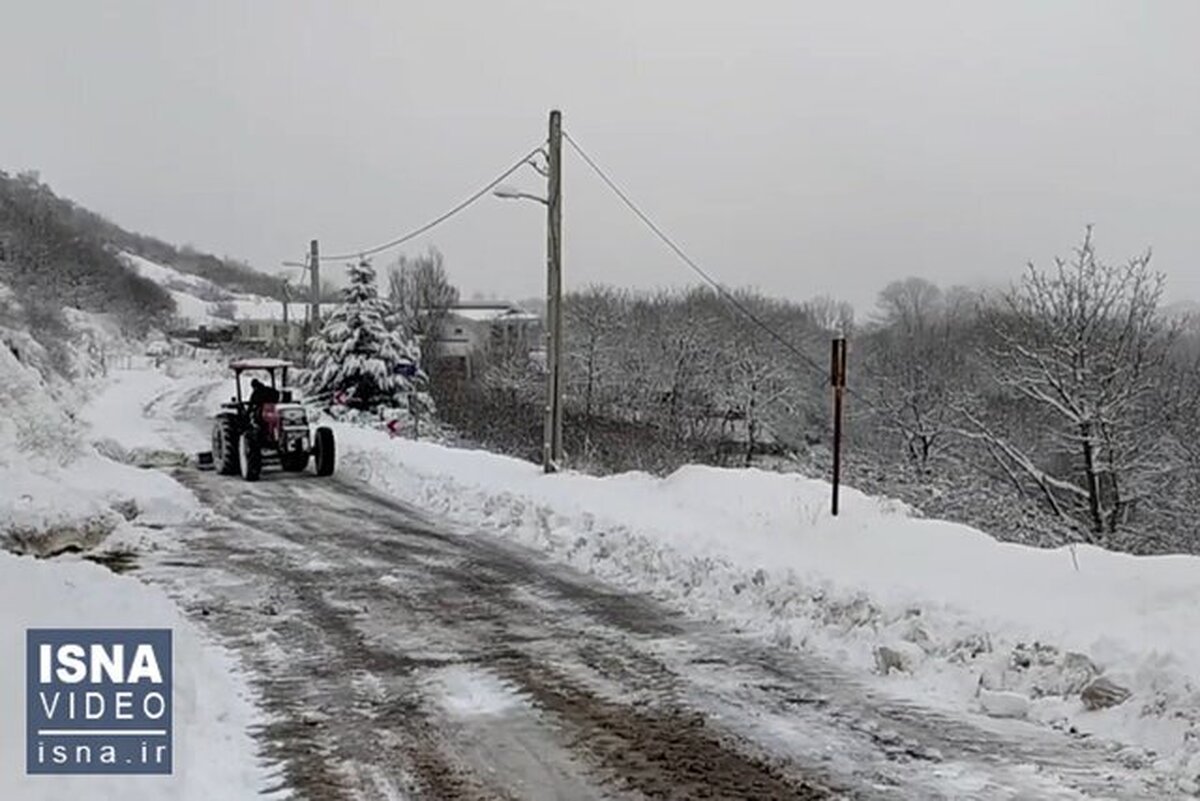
{"x":553,"y":446}
{"x":837,"y":379}
{"x":314,"y":264}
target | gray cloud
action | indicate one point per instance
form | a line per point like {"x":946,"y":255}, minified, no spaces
{"x":802,"y":147}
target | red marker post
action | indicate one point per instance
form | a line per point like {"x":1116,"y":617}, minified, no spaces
{"x":837,"y":379}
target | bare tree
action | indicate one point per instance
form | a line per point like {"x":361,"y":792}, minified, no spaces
{"x":916,"y":360}
{"x":422,"y":295}
{"x":830,"y":315}
{"x":754,"y":383}
{"x":911,"y":304}
{"x":593,"y":322}
{"x":1084,"y":344}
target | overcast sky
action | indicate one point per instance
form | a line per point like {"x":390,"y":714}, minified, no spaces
{"x":800,"y":147}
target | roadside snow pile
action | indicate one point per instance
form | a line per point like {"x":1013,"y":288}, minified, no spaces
{"x":30,"y":418}
{"x":213,"y":752}
{"x":56,"y":491}
{"x":947,"y":614}
{"x":47,"y":509}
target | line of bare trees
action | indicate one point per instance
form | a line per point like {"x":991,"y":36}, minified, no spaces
{"x":1064,"y":408}
{"x":656,"y":380}
{"x":1073,"y":388}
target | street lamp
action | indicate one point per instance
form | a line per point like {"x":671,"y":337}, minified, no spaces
{"x":510,"y":193}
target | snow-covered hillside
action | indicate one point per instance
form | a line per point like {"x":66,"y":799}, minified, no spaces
{"x":58,"y":490}
{"x":199,"y":301}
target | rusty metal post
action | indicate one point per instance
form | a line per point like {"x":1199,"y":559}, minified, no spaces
{"x":837,"y":379}
{"x":552,"y":448}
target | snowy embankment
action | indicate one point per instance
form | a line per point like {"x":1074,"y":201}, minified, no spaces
{"x":58,"y":492}
{"x":942,"y":612}
{"x":214,"y":754}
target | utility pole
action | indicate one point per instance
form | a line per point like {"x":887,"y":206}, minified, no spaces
{"x":837,"y":379}
{"x":553,"y":446}
{"x":314,"y":264}
{"x":287,"y":329}
{"x":287,"y":298}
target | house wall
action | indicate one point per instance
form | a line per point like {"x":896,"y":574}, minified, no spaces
{"x":465,"y":342}
{"x":270,"y":332}
{"x":460,"y":337}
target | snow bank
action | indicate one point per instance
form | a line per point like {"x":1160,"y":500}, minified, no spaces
{"x":31,"y":418}
{"x":214,"y":754}
{"x":949,"y":615}
{"x":46,"y":509}
{"x":58,"y":492}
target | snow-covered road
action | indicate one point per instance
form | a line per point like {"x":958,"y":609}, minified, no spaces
{"x":396,"y":655}
{"x":397,"y":659}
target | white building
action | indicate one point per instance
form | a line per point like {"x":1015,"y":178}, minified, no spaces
{"x":474,"y":331}
{"x":262,"y":323}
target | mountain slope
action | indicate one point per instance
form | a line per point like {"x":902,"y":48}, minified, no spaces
{"x":49,"y":261}
{"x":200,"y":301}
{"x":55,"y":254}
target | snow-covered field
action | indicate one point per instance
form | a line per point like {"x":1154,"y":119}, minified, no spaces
{"x":57,"y":491}
{"x":943,"y":613}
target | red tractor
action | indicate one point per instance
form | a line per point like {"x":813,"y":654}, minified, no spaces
{"x":268,"y":427}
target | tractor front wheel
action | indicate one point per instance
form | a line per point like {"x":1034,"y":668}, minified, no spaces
{"x":324,"y":451}
{"x":250,"y":456}
{"x":225,"y":446}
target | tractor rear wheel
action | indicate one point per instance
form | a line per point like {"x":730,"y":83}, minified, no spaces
{"x":225,"y":446}
{"x":250,"y":455}
{"x":324,"y":451}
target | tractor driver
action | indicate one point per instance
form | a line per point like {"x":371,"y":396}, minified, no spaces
{"x":260,"y":393}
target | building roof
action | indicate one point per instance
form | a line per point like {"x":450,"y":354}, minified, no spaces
{"x":489,"y":310}
{"x":491,"y":315}
{"x":488,"y":303}
{"x":260,"y":364}
{"x":272,"y":311}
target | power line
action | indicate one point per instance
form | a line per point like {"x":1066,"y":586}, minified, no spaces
{"x":725,"y":293}
{"x":400,"y":240}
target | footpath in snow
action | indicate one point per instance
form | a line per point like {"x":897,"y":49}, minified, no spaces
{"x":941,"y":612}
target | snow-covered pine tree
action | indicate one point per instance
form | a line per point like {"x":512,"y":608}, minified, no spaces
{"x":360,"y":358}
